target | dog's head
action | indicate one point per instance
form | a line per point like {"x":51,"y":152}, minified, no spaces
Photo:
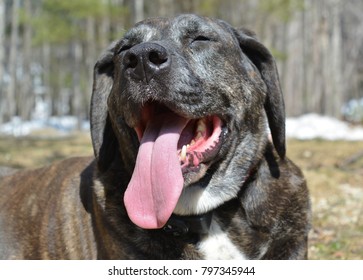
{"x":182,"y":105}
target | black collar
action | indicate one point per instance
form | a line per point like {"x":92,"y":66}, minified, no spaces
{"x":185,"y":226}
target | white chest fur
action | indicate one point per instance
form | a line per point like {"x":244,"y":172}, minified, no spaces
{"x":217,"y":245}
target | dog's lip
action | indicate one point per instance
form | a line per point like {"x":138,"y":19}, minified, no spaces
{"x":200,"y":141}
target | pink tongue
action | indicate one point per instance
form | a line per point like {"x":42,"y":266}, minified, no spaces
{"x":157,"y":181}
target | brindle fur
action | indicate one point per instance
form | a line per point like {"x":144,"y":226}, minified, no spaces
{"x":74,"y":209}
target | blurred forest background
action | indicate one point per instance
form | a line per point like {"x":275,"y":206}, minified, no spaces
{"x":48,"y":49}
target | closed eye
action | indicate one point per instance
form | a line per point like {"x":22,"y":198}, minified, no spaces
{"x":201,"y":38}
{"x":200,"y":42}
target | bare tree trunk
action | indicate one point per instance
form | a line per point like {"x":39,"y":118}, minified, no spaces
{"x":26,"y":91}
{"x":293,"y":69}
{"x":304,"y":66}
{"x":10,"y":107}
{"x":309,"y":65}
{"x":47,"y":95}
{"x":90,"y":57}
{"x":76,"y":80}
{"x":60,"y":69}
{"x":104,"y":28}
{"x":138,"y":10}
{"x":2,"y":62}
{"x":319,"y":36}
{"x":336,"y":55}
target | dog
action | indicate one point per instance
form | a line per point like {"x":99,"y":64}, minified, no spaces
{"x":188,"y":130}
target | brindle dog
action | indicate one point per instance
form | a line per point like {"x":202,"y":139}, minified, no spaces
{"x":184,"y":168}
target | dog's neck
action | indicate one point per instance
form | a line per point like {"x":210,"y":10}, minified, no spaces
{"x":188,"y":227}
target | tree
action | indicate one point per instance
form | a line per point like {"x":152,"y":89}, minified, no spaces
{"x":2,"y":62}
{"x":25,"y":88}
{"x":10,"y":101}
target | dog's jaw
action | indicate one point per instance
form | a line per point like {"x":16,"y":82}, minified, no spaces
{"x":174,"y":152}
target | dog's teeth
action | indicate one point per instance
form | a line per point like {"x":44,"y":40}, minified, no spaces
{"x":199,"y":135}
{"x":201,"y":126}
{"x":192,"y":143}
{"x":183,"y":154}
{"x":200,"y":131}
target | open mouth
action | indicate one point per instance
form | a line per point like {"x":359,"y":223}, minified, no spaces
{"x":199,"y":140}
{"x":170,"y":146}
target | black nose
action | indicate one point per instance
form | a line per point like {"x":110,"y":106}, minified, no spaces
{"x":146,"y":60}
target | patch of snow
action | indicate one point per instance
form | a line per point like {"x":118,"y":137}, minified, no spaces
{"x":63,"y":125}
{"x":314,"y":126}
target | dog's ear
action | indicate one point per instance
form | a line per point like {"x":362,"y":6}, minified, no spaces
{"x":103,"y":137}
{"x":274,"y":103}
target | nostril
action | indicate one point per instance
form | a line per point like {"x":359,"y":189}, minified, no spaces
{"x":156,"y":58}
{"x":132,"y":61}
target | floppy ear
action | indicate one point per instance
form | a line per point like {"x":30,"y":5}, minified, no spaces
{"x":103,"y":138}
{"x":274,"y":103}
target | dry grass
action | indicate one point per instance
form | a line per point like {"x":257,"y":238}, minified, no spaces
{"x":336,"y":186}
{"x":30,"y":152}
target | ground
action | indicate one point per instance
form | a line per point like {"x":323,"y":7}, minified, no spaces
{"x":333,"y":169}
